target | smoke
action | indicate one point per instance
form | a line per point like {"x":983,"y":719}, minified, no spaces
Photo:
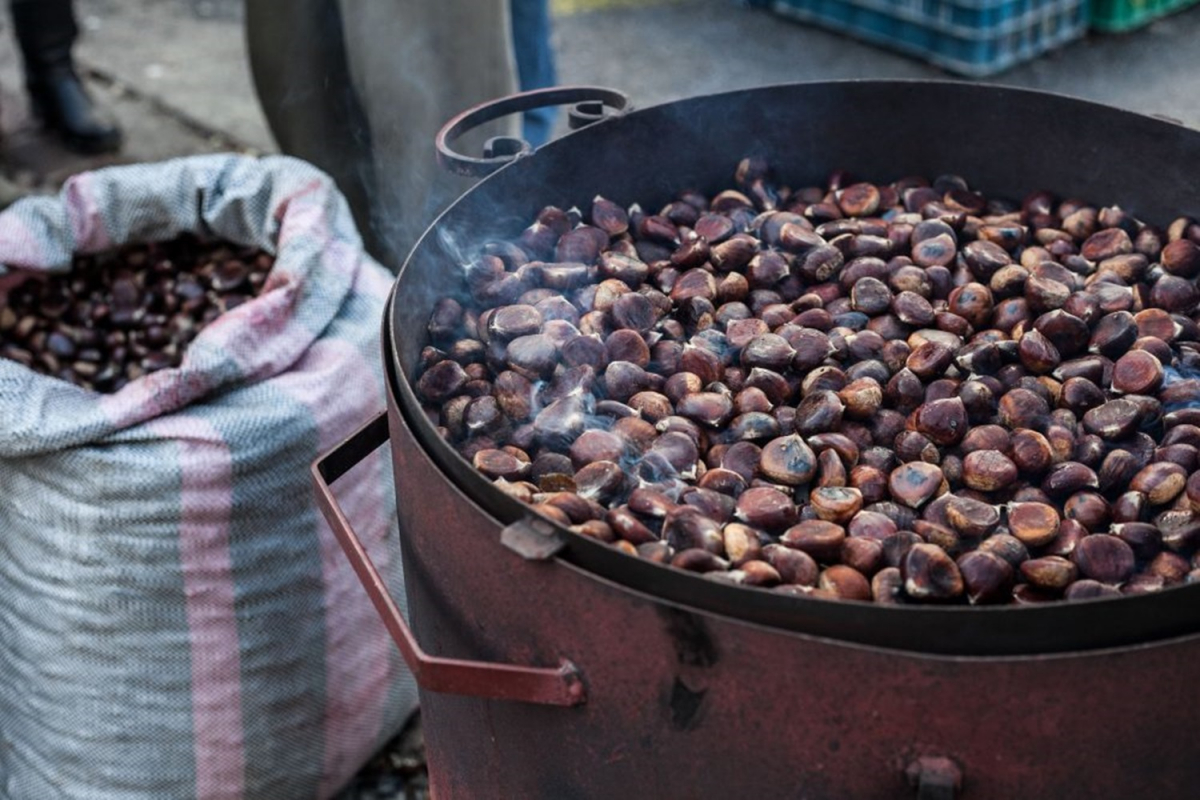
{"x":361,"y":90}
{"x":1179,"y":378}
{"x":1180,"y":372}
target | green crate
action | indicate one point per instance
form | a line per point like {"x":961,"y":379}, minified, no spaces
{"x":1118,"y":16}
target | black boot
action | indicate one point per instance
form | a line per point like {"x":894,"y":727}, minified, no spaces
{"x":46,"y":31}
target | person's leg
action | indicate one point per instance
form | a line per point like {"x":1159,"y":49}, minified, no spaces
{"x":46,"y":32}
{"x":535,"y":63}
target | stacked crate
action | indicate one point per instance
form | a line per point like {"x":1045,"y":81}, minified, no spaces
{"x":975,"y":38}
{"x":1120,"y":16}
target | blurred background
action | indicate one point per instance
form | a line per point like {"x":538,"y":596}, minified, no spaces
{"x":175,"y":72}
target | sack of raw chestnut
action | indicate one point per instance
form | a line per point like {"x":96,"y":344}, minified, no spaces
{"x":178,"y":342}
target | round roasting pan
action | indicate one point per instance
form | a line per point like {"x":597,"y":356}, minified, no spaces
{"x":1005,"y":142}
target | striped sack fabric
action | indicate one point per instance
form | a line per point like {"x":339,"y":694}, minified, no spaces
{"x":176,"y":619}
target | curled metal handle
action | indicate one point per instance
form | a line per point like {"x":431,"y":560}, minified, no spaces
{"x":556,"y":686}
{"x":589,"y":104}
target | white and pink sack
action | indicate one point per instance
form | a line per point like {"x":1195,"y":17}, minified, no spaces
{"x":176,"y":619}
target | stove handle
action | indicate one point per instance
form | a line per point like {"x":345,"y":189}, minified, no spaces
{"x":559,"y":686}
{"x":589,"y":104}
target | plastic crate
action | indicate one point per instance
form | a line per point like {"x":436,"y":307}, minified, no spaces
{"x":969,"y":37}
{"x":1118,"y":16}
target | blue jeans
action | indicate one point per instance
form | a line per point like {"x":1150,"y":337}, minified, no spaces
{"x":535,"y":63}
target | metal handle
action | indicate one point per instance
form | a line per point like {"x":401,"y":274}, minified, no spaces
{"x":559,"y":686}
{"x":588,"y":105}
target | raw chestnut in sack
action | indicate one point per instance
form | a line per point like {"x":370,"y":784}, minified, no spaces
{"x":128,"y":312}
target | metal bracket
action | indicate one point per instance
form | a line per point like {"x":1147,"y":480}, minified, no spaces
{"x":935,"y":778}
{"x":532,"y":538}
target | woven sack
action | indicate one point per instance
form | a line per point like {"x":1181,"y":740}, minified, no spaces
{"x":176,"y":618}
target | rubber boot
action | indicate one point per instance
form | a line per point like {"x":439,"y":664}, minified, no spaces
{"x":46,"y":31}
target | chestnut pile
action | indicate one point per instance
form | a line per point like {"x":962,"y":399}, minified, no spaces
{"x":897,"y":393}
{"x":121,"y":314}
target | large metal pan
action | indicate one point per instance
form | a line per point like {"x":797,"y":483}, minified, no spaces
{"x":1007,"y":142}
{"x":552,"y":666}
